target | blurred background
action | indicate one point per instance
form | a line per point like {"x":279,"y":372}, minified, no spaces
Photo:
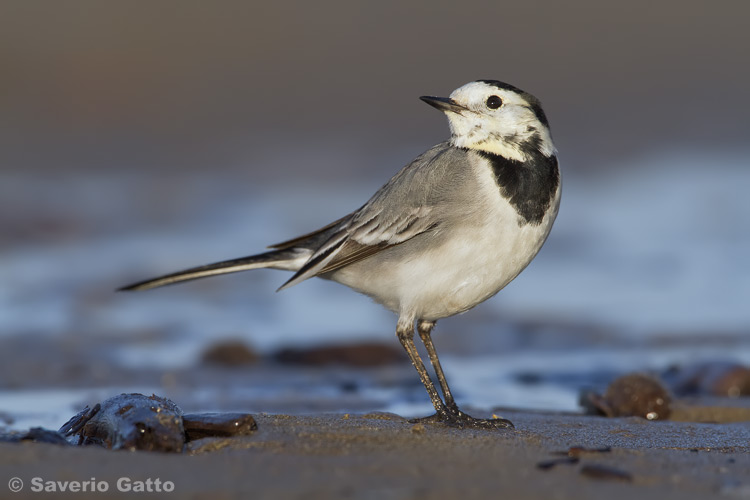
{"x":138,"y":138}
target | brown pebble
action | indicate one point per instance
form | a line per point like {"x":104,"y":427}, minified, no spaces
{"x":229,"y":353}
{"x":717,"y":378}
{"x":364,"y":355}
{"x":605,"y":473}
{"x":548,"y":464}
{"x":634,"y":395}
{"x":202,"y":425}
{"x":733,"y":383}
{"x":577,"y":451}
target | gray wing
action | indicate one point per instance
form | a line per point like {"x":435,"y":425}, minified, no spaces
{"x":413,"y":202}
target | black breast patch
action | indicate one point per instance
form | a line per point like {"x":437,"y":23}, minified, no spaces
{"x":529,"y":186}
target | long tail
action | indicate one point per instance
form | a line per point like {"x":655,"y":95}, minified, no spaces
{"x":290,"y":259}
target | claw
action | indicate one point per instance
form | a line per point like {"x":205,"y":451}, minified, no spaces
{"x":461,"y":420}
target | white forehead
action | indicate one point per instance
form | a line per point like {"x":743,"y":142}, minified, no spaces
{"x":478,"y":92}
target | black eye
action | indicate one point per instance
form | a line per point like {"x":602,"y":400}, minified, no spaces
{"x":494,"y":102}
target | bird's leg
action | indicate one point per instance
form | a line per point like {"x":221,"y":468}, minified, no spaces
{"x":405,"y":335}
{"x":425,"y":333}
{"x":453,"y":416}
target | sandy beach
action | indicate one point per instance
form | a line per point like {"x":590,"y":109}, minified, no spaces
{"x":380,"y":455}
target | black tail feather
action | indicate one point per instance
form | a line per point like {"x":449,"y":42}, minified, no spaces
{"x":276,"y":258}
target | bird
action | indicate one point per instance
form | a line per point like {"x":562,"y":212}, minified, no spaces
{"x":444,"y":234}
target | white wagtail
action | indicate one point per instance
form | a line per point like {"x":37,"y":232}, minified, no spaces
{"x":447,"y":232}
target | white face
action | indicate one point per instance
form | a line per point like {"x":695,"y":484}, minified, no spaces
{"x":496,"y":120}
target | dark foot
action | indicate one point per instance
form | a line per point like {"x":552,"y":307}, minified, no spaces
{"x":461,"y":420}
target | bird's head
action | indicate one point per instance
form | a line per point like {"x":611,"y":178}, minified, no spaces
{"x":497,"y":118}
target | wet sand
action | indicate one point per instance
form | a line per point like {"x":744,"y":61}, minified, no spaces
{"x":703,"y":451}
{"x":384,"y":456}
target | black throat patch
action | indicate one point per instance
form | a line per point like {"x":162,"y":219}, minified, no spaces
{"x":529,"y":186}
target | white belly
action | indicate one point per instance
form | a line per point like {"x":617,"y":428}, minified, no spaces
{"x":471,"y":265}
{"x":471,"y":270}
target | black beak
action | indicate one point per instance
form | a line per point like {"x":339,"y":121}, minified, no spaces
{"x":444,"y":104}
